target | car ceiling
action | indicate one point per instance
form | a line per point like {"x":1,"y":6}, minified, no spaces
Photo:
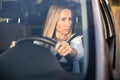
{"x":32,"y":5}
{"x":36,"y":8}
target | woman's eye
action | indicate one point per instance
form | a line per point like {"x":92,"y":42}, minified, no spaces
{"x":63,"y":19}
{"x":70,"y":18}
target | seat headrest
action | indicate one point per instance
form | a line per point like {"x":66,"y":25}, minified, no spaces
{"x":11,"y":9}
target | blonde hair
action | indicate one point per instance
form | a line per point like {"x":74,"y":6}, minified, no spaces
{"x":52,"y":18}
{"x":117,"y":16}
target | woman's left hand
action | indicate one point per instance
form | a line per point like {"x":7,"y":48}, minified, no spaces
{"x":63,"y":48}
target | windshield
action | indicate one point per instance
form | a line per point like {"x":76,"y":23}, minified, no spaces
{"x":34,"y":14}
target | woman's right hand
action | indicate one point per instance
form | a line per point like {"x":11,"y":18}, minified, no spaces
{"x":12,"y":44}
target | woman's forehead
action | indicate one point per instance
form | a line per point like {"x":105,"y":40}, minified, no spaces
{"x":66,"y":12}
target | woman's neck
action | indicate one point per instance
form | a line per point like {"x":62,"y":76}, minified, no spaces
{"x":64,"y":37}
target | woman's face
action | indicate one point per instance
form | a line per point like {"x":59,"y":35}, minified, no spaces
{"x":64,"y":22}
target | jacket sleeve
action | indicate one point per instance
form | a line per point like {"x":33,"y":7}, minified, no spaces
{"x":77,"y":44}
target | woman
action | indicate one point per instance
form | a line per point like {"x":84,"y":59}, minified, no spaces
{"x":58,"y":26}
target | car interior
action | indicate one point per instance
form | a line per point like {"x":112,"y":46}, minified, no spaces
{"x":18,"y":20}
{"x":23,"y":21}
{"x":19,"y":23}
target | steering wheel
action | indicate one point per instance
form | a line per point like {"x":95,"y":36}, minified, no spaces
{"x":41,"y":39}
{"x":51,"y":42}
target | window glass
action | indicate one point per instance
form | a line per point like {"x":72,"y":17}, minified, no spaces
{"x":35,"y":16}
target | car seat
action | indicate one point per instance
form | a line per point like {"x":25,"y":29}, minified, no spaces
{"x":13,"y":27}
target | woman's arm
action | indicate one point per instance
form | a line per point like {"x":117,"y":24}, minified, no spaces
{"x":75,"y":48}
{"x":77,"y":44}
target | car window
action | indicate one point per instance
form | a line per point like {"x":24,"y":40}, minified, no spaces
{"x":23,"y":19}
{"x":32,"y":17}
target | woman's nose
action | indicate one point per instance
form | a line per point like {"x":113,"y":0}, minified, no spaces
{"x":68,"y":23}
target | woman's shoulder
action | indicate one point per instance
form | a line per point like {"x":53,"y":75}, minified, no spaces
{"x":77,"y":38}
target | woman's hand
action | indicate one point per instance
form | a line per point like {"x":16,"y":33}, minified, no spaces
{"x":63,"y":48}
{"x":12,"y":44}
